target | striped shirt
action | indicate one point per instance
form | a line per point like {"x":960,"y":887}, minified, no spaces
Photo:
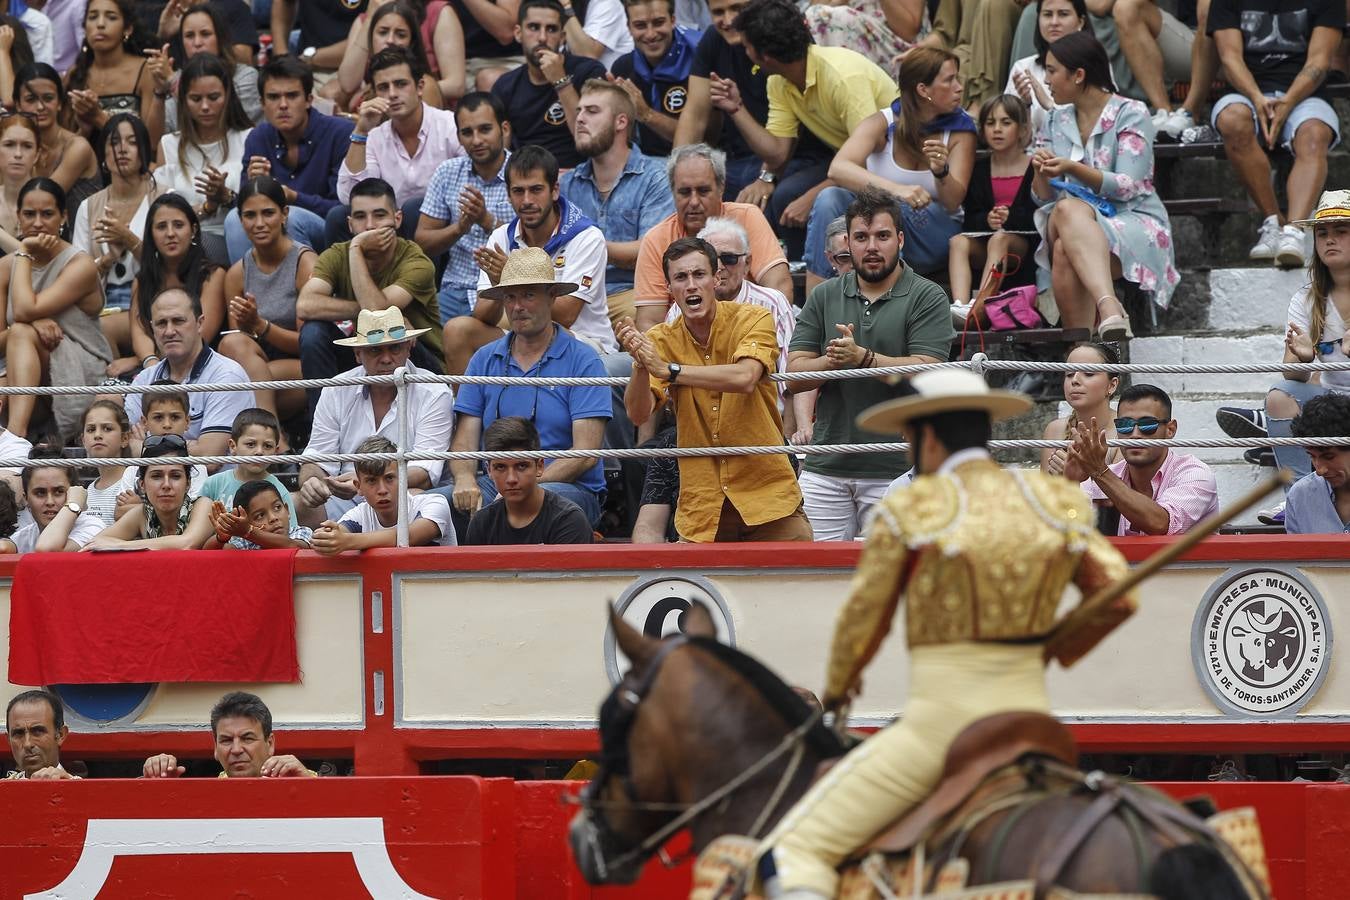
{"x":1183,"y":485}
{"x":442,"y":202}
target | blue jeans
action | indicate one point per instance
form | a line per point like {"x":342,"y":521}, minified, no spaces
{"x":799,"y":176}
{"x":453,"y":301}
{"x":117,"y":296}
{"x":336,"y":229}
{"x":1295,"y":459}
{"x":591,"y":503}
{"x":302,"y":225}
{"x":740,"y":174}
{"x":927,"y":233}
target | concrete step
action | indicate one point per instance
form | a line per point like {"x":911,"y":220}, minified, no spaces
{"x":1242,"y":299}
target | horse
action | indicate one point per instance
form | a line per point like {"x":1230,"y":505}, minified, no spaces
{"x":700,"y":737}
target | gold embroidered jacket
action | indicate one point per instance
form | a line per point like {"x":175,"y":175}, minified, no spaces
{"x":979,"y":553}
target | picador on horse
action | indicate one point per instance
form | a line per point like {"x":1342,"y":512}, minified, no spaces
{"x":976,"y":783}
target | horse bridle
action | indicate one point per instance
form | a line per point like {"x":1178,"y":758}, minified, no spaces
{"x":631,"y":698}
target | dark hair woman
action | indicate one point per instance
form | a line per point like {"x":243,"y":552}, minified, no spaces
{"x":202,"y":29}
{"x":63,"y":156}
{"x":115,"y":71}
{"x":396,"y":24}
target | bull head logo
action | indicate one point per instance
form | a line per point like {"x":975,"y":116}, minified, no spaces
{"x":1268,"y":642}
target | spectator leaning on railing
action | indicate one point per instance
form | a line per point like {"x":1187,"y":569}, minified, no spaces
{"x":242,"y":742}
{"x":35,"y":722}
{"x":61,"y":520}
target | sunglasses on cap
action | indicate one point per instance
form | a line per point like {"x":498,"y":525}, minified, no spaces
{"x":376,"y":335}
{"x":164,"y":445}
{"x":1327,"y":347}
{"x":1147,"y":425}
{"x":730,"y":259}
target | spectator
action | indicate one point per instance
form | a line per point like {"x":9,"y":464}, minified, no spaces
{"x":320,"y":35}
{"x":1088,"y":395}
{"x":829,"y":91}
{"x":524,"y":512}
{"x":372,"y":522}
{"x":491,"y":48}
{"x":1276,"y":58}
{"x":109,"y":226}
{"x":394,"y":24}
{"x":19,"y":142}
{"x":346,"y":416}
{"x":166,"y":413}
{"x":203,"y":160}
{"x":621,"y":190}
{"x":231,"y":30}
{"x":999,"y":225}
{"x":697,"y":175}
{"x":203,"y":30}
{"x":104,"y":433}
{"x":255,"y":432}
{"x":883,"y":314}
{"x":37,"y":29}
{"x":12,"y":446}
{"x":920,"y":148}
{"x":259,"y":520}
{"x":53,"y":303}
{"x":1085,"y":249}
{"x":67,"y":17}
{"x":241,"y":733}
{"x":407,"y":120}
{"x":64,"y":156}
{"x":112,"y":74}
{"x":169,"y":517}
{"x":264,"y":288}
{"x":836,"y":246}
{"x":655,"y":74}
{"x":176,"y":322}
{"x":373,"y":271}
{"x":1319,"y":502}
{"x":1155,"y":490}
{"x":1054,"y":19}
{"x":1158,"y":48}
{"x":35,"y":722}
{"x":567,"y":418}
{"x":298,"y":146}
{"x":716,"y":381}
{"x":62,"y":521}
{"x":980,"y":34}
{"x":660,"y":494}
{"x":540,"y":97}
{"x":881,"y":30}
{"x":466,"y":201}
{"x":544,"y":219}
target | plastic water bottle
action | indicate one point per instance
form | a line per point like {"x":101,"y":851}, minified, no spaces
{"x":264,"y":50}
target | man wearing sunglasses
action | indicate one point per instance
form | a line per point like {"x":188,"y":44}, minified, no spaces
{"x":1319,"y":502}
{"x":1155,"y":489}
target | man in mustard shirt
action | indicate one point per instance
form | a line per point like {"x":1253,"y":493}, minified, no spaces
{"x":711,"y":363}
{"x":982,"y":555}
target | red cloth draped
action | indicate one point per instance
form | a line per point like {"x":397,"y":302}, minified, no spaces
{"x":164,"y":615}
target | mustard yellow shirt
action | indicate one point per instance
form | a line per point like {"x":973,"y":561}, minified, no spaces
{"x":842,"y":89}
{"x":762,"y":488}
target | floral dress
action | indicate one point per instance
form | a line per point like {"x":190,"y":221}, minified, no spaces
{"x":1121,"y":148}
{"x":861,"y":26}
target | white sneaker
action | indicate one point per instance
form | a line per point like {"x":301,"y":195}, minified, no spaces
{"x":1176,"y":122}
{"x":1289,"y":255}
{"x":1160,"y":118}
{"x":961,"y":312}
{"x":1268,"y":241}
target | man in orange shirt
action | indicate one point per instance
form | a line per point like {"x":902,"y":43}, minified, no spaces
{"x":698,"y":174}
{"x":712,"y":363}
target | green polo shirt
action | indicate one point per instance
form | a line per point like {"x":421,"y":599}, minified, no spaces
{"x":913,"y":317}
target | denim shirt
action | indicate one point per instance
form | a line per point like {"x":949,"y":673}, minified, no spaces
{"x":641,"y":200}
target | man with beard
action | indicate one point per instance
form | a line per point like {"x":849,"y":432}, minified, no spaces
{"x":544,"y":219}
{"x":541,"y":96}
{"x":466,"y":200}
{"x":656,"y":73}
{"x":880,"y":314}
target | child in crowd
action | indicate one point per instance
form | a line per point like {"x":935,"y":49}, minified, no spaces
{"x":255,"y":432}
{"x":373,"y":521}
{"x":259,"y":521}
{"x":60,"y":520}
{"x":105,"y":433}
{"x":998,"y":207}
{"x":162,"y":414}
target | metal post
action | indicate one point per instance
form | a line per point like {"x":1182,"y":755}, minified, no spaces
{"x":401,"y":401}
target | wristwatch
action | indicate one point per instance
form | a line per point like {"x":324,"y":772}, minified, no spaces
{"x":74,"y":507}
{"x":768,"y":177}
{"x":309,"y":53}
{"x":675,"y":370}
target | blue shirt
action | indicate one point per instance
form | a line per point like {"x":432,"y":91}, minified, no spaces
{"x":637,"y":204}
{"x":552,"y":409}
{"x":1310,"y":508}
{"x":323,"y":147}
{"x":442,"y":202}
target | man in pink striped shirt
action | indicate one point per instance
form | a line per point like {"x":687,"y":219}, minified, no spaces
{"x":1155,"y":489}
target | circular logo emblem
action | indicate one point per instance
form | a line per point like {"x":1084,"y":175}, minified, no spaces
{"x":554,"y":115}
{"x":103,"y":704}
{"x":673,"y":101}
{"x":655,"y":605}
{"x":1261,"y":641}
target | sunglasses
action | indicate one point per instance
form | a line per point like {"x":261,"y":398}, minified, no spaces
{"x":163,"y":444}
{"x":730,"y":259}
{"x":1147,"y":425}
{"x":841,"y":258}
{"x":376,"y":335}
{"x":1327,"y":347}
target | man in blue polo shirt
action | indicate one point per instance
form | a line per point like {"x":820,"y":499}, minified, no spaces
{"x":567,"y":418}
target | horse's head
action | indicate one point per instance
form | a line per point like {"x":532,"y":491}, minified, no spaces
{"x":635,"y":794}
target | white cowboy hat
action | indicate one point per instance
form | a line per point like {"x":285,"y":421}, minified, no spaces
{"x":528,"y":267}
{"x":939,"y":391}
{"x":1334,"y":206}
{"x":375,"y":328}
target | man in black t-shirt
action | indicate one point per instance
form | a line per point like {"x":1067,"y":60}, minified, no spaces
{"x":541,"y":96}
{"x":1276,"y":54}
{"x":656,"y":73}
{"x":525,"y":513}
{"x":323,"y":26}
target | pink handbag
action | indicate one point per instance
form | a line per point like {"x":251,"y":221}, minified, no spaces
{"x":1014,"y":309}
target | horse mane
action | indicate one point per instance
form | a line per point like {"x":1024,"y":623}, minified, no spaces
{"x":780,"y":697}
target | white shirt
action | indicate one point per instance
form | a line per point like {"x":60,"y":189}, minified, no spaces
{"x":607,"y":23}
{"x":362,"y":519}
{"x":581,"y":261}
{"x":208,"y":411}
{"x":40,"y":36}
{"x":1029,"y":65}
{"x":12,"y":447}
{"x":1333,"y":329}
{"x":180,"y":179}
{"x":344,"y":417}
{"x":87,"y":526}
{"x":82,"y":237}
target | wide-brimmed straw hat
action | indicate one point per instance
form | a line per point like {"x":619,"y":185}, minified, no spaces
{"x":1334,"y":206}
{"x":939,"y":391}
{"x":528,"y":267}
{"x":377,"y":327}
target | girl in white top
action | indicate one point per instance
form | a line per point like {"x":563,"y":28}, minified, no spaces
{"x":104,"y":432}
{"x":204,"y":159}
{"x":1054,"y":19}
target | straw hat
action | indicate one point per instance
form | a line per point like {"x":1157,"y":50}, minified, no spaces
{"x":528,"y":267}
{"x":1334,"y":206}
{"x":939,"y":391}
{"x":375,"y":328}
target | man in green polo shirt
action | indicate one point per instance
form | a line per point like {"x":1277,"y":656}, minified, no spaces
{"x":881,"y":314}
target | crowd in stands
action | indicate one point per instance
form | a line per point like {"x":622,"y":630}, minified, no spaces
{"x":627,"y":188}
